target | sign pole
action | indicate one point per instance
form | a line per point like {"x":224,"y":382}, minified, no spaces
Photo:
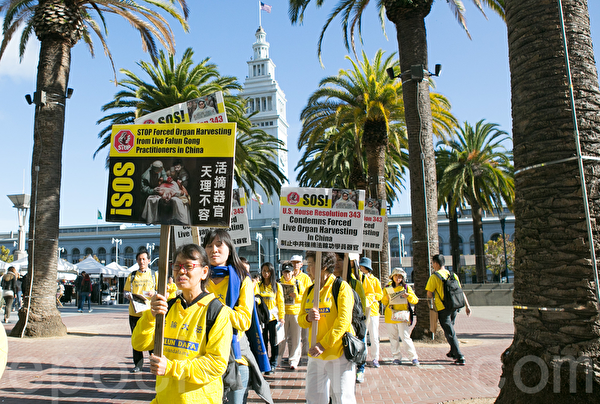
{"x":163,"y":272}
{"x":345,"y":270}
{"x":316,"y":294}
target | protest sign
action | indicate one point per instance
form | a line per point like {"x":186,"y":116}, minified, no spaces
{"x":375,"y":222}
{"x":321,"y":219}
{"x":178,"y":174}
{"x":206,"y":109}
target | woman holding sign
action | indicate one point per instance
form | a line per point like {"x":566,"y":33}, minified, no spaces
{"x":231,"y":284}
{"x":396,"y":297}
{"x":196,"y":348}
{"x":328,"y":369}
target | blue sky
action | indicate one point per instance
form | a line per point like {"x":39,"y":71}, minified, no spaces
{"x":475,"y":77}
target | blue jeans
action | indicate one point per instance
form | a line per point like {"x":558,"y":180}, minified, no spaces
{"x":447,"y":318}
{"x":240,"y":396}
{"x":82,"y":297}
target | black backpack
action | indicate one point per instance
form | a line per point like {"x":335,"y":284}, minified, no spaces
{"x":454,"y":297}
{"x":358,"y":317}
{"x":262,"y":310}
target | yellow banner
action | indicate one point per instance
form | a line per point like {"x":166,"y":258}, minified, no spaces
{"x":170,"y":140}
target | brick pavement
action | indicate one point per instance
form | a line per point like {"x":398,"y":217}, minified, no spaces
{"x":91,"y":365}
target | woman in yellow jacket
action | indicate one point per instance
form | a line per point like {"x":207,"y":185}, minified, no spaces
{"x":328,"y":372}
{"x":272,"y":294}
{"x":399,"y":327}
{"x":230,"y":282}
{"x":192,"y":364}
{"x":373,"y":294}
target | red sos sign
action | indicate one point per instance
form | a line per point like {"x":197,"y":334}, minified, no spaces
{"x":124,"y":141}
{"x":293,"y":198}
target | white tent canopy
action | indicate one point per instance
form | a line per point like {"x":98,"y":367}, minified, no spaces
{"x":93,"y":267}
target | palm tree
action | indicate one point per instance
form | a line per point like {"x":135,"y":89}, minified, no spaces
{"x":171,"y":83}
{"x":365,"y":104}
{"x":554,"y":264}
{"x":476,"y":170}
{"x":59,"y":25}
{"x":408,"y":16}
{"x":338,"y":164}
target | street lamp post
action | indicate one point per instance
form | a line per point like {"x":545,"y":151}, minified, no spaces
{"x":274,"y":229}
{"x":117,"y":242}
{"x":503,"y":225}
{"x":21,"y":203}
{"x":259,"y":237}
{"x":399,"y":229}
{"x":150,"y":249}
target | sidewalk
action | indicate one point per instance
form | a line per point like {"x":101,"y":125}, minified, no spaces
{"x":92,"y":363}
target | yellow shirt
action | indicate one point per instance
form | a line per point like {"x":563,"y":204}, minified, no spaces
{"x":373,"y":293}
{"x":436,"y":286}
{"x":335,"y":320}
{"x":171,"y":290}
{"x":142,"y":282}
{"x":412,"y":299}
{"x":292,"y":308}
{"x":241,"y":315}
{"x":272,"y":300}
{"x":195,"y":363}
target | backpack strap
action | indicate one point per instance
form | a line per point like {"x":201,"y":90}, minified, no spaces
{"x":212,"y":312}
{"x":133,"y":274}
{"x":335,"y":289}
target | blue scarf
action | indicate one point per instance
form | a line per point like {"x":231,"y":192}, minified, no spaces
{"x":254,"y":334}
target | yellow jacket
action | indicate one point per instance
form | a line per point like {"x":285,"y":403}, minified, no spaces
{"x":171,"y":290}
{"x":195,"y":363}
{"x":272,"y":300}
{"x":241,"y":315}
{"x":373,"y":293}
{"x":412,"y":299}
{"x":142,"y":282}
{"x":335,"y":320}
{"x":436,"y":286}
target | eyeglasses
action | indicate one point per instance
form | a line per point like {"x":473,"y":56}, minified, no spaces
{"x":187,"y":267}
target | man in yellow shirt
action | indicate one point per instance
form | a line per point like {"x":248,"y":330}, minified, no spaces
{"x":435,"y":290}
{"x":292,"y":298}
{"x":304,"y":283}
{"x":373,"y":293}
{"x":140,"y":282}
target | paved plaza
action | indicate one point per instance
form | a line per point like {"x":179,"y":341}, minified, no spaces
{"x":92,"y":363}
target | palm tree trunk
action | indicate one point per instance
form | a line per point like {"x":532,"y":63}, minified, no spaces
{"x":412,"y":45}
{"x":454,"y":241}
{"x":375,"y":138}
{"x":53,"y":75}
{"x":478,"y":238}
{"x":554,"y":357}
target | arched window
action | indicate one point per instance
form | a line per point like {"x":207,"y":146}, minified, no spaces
{"x":128,"y":257}
{"x":113,"y":254}
{"x":495,"y":236}
{"x":75,"y":255}
{"x":88,"y":252}
{"x":102,"y":255}
{"x":460,"y":245}
{"x":472,"y":244}
{"x":440,"y":245}
{"x":64,"y":254}
{"x":394,"y":247}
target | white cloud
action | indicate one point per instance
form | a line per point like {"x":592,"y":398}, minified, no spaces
{"x":11,"y":68}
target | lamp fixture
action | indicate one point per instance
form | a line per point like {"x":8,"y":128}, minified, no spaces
{"x":417,"y":72}
{"x":43,"y":98}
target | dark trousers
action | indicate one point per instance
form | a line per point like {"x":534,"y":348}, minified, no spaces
{"x":270,"y":333}
{"x":447,"y":318}
{"x":8,"y":303}
{"x":138,"y":356}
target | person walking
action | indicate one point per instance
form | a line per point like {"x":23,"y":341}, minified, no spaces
{"x":373,"y":294}
{"x":398,"y":316}
{"x":190,"y":373}
{"x":292,"y":298}
{"x":85,"y":293}
{"x":230,"y":282}
{"x":272,"y":296}
{"x":304,"y":283}
{"x":9,"y":290}
{"x":329,"y":373}
{"x":435,"y":291}
{"x":139,"y":282}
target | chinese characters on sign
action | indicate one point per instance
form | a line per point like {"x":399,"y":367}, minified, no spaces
{"x":178,"y":174}
{"x":375,"y":222}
